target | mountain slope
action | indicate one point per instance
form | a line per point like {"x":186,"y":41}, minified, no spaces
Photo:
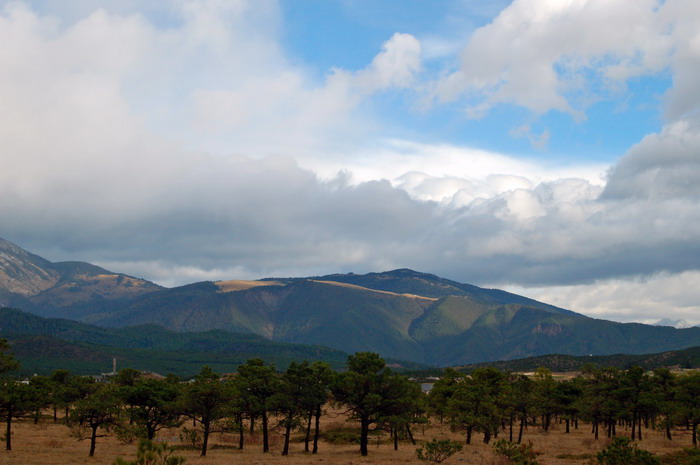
{"x":43,"y":287}
{"x":401,"y":314}
{"x":46,"y":344}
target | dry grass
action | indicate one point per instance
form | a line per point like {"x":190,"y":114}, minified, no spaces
{"x":240,"y":285}
{"x":354,"y":286}
{"x":51,"y":444}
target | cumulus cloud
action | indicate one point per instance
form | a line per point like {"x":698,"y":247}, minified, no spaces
{"x":645,"y":300}
{"x":198,"y":151}
{"x":535,"y":53}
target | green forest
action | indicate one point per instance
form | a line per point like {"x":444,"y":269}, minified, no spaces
{"x":485,"y":405}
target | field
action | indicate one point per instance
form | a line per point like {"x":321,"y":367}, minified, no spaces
{"x":52,"y":444}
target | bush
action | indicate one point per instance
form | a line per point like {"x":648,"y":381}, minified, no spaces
{"x":687,"y":456}
{"x":516,"y":454}
{"x":342,"y":436}
{"x":191,"y":437}
{"x":153,"y":453}
{"x":437,"y":451}
{"x":622,"y":451}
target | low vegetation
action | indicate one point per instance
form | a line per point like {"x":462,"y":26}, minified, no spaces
{"x":258,"y":415}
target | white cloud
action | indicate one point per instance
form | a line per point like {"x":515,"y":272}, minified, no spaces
{"x":118,"y":132}
{"x":536,"y":53}
{"x":644,"y":300}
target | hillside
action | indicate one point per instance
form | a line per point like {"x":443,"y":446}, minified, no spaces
{"x":46,"y":344}
{"x":56,"y":289}
{"x":401,"y":314}
{"x":685,"y":358}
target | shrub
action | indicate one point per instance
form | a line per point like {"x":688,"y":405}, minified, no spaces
{"x":622,"y":451}
{"x":687,"y":456}
{"x":342,"y":436}
{"x":438,"y":450}
{"x":191,"y":437}
{"x":153,"y":453}
{"x":516,"y":454}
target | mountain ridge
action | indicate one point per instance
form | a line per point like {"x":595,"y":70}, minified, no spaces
{"x":401,"y":314}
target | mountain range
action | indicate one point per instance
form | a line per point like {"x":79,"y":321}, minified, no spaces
{"x":400,"y":314}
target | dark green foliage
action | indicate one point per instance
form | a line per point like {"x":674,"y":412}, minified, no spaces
{"x":153,"y":453}
{"x":516,"y":454}
{"x":43,"y":344}
{"x":151,"y":405}
{"x":686,"y":456}
{"x":475,"y":403}
{"x":207,"y":400}
{"x":99,"y":409}
{"x":438,"y":450}
{"x":622,"y":451}
{"x":341,"y":436}
{"x":16,"y":400}
{"x":8,"y":362}
{"x":401,"y":314}
{"x":257,"y":384}
{"x":687,"y":397}
{"x":370,"y":391}
{"x":686,"y":358}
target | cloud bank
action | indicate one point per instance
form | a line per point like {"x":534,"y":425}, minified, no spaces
{"x":199,"y":150}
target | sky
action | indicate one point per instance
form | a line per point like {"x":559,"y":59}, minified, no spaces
{"x":546,"y":147}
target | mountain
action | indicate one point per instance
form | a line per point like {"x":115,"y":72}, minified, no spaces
{"x":401,"y":314}
{"x":50,"y":289}
{"x":43,"y":345}
{"x":686,"y":358}
{"x":678,"y":324}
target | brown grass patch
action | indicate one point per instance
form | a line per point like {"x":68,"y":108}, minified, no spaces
{"x":242,"y":285}
{"x":51,"y":444}
{"x":354,"y":286}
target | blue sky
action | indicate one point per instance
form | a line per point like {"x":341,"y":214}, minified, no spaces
{"x":548,"y":147}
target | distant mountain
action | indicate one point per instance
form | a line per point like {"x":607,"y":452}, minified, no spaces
{"x":678,"y":324}
{"x":401,"y":314}
{"x":686,"y":358}
{"x":43,"y":345}
{"x":55,"y":289}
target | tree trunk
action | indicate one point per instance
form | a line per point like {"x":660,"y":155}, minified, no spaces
{"x":639,"y":429}
{"x":410,"y":434}
{"x":634,"y":426}
{"x":317,"y":429}
{"x":396,"y":438}
{"x":205,"y":437}
{"x":522,"y":427}
{"x":469,"y":436}
{"x":266,"y":443}
{"x":567,"y":425}
{"x":364,"y":435}
{"x":307,"y":437}
{"x":8,"y":430}
{"x":287,"y":432}
{"x":93,"y":441}
{"x":695,"y":434}
{"x":510,"y":429}
{"x":240,"y":432}
{"x":487,"y":436}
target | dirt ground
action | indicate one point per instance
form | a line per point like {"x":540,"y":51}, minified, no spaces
{"x":52,"y":444}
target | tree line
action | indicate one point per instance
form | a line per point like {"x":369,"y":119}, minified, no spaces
{"x":132,"y":406}
{"x":605,"y":399}
{"x":258,"y":398}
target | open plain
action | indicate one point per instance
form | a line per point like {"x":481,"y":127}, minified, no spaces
{"x":51,"y":443}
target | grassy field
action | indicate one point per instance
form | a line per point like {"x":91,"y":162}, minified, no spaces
{"x":52,"y":444}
